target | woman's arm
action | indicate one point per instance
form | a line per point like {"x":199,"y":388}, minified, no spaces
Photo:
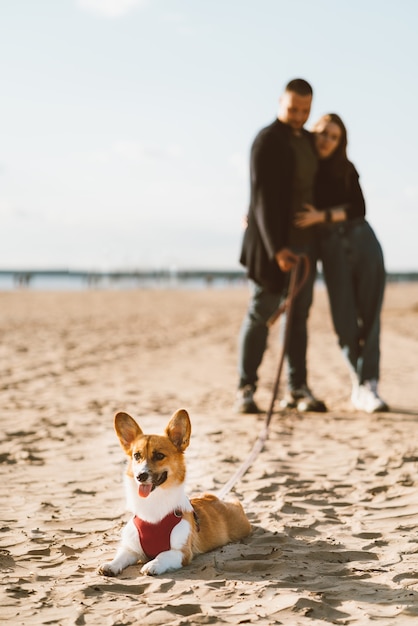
{"x":311,"y":216}
{"x":353,"y":208}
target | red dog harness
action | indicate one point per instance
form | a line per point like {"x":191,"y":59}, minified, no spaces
{"x":155,"y":538}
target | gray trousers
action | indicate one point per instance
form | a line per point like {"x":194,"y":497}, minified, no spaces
{"x":254,"y":330}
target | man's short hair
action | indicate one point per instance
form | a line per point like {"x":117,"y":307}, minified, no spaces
{"x":299,"y":86}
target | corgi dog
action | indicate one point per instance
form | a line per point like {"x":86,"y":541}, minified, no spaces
{"x":167,"y":529}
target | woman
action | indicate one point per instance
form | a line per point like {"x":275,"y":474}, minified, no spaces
{"x":352,"y":260}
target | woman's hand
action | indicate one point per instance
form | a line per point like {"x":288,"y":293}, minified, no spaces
{"x":309,"y":216}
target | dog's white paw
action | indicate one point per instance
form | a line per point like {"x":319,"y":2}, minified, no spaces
{"x":164,"y":562}
{"x":152,"y":568}
{"x":107,"y":570}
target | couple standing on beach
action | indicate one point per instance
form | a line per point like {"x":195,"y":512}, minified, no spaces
{"x":306,"y":199}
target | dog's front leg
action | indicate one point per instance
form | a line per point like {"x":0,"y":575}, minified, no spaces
{"x":124,"y":557}
{"x":165,"y":562}
{"x":129,"y":552}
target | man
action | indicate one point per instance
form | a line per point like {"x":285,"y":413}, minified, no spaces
{"x":282,"y":170}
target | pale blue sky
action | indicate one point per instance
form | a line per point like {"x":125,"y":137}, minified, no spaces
{"x":126,"y":125}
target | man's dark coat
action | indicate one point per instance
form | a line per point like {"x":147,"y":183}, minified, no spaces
{"x":272,"y":169}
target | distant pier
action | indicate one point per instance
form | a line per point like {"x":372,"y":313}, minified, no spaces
{"x":119,"y":279}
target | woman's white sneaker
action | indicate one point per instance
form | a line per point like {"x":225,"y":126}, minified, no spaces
{"x":366,"y":398}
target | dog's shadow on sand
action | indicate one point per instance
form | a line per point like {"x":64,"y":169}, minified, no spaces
{"x":326,"y":570}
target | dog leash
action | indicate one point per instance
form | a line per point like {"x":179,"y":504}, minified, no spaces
{"x":295,"y":286}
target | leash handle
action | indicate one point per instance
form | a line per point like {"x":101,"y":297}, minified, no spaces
{"x":294,"y":288}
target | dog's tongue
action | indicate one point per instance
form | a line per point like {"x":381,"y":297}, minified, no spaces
{"x":144,"y":490}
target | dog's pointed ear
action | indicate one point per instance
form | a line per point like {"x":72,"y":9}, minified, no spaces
{"x":179,"y":429}
{"x":126,"y":429}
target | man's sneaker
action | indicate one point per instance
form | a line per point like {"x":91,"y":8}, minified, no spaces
{"x":245,"y":400}
{"x":303,"y":400}
{"x":366,"y":398}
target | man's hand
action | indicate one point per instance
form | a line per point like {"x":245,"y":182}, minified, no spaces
{"x":286,"y":259}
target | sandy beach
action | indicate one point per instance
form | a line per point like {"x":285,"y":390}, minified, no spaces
{"x":332,"y":498}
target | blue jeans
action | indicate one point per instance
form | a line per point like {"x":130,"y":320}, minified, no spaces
{"x":254,"y":333}
{"x":355,"y":277}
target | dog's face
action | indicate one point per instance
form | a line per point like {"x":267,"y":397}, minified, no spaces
{"x":155,"y":460}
